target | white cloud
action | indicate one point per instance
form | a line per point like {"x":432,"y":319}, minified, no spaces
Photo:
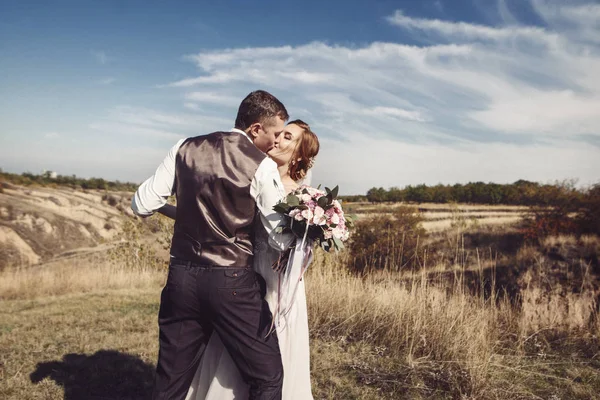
{"x":368,"y":163}
{"x":51,"y":135}
{"x":469,"y":30}
{"x":129,"y":129}
{"x":100,"y":56}
{"x":212,"y":98}
{"x":556,"y":112}
{"x":395,"y":113}
{"x":106,"y":81}
{"x":135,"y":121}
{"x":473,"y":102}
{"x":191,"y":106}
{"x":546,"y":85}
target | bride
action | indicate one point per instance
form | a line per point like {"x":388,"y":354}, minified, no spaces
{"x":217,"y":377}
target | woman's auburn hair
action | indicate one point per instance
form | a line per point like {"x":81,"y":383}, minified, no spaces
{"x":305,"y":152}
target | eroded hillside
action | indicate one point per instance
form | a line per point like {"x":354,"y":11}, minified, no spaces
{"x":38,"y":224}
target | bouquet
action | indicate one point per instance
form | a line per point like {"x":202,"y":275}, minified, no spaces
{"x":317,"y":216}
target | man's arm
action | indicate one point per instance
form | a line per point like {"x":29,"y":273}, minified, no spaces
{"x":168,"y":210}
{"x":267,"y":190}
{"x":153,"y":193}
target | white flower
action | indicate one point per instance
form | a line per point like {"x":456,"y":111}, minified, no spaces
{"x":319,"y":212}
{"x":337,"y":205}
{"x":296,"y":214}
{"x":307,"y":214}
{"x":305,"y":197}
{"x":335,"y":219}
{"x":341,"y":233}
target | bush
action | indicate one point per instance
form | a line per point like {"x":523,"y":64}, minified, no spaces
{"x":388,"y":241}
{"x":588,"y":219}
{"x":554,"y":213}
{"x":110,"y":199}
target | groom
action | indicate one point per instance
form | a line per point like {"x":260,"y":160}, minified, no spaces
{"x":220,"y":180}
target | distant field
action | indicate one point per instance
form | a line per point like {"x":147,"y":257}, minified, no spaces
{"x":440,"y":217}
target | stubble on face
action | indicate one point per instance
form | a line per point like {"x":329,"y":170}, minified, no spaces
{"x":271,"y":133}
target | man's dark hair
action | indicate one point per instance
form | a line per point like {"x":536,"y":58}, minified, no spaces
{"x":259,"y":106}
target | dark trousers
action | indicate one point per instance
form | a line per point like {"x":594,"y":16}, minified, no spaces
{"x":197,"y":301}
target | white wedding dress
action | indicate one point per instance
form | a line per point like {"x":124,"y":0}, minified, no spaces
{"x":217,"y":377}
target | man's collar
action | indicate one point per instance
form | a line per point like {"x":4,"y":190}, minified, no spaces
{"x":242,"y":132}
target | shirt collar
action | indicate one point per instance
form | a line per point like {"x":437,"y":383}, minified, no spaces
{"x":236,"y":130}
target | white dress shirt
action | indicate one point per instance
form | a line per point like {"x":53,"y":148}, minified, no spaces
{"x":266,"y":189}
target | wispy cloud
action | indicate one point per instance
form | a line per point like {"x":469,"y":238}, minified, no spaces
{"x":509,"y":96}
{"x":478,"y":82}
{"x":191,"y":106}
{"x":466,"y":102}
{"x":100,"y":56}
{"x":394,"y":112}
{"x":212,"y":98}
{"x":106,"y":81}
{"x":136,"y":121}
{"x":468,"y":30}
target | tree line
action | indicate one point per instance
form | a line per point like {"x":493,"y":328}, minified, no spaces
{"x":521,"y":192}
{"x":72,"y":181}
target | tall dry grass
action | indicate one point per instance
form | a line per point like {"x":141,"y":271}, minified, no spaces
{"x":432,"y":337}
{"x":418,"y":321}
{"x":474,"y":344}
{"x":74,"y":276}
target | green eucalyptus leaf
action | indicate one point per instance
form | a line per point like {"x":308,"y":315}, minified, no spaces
{"x":335,"y":191}
{"x":292,"y":200}
{"x":322,"y":202}
{"x":338,"y":243}
{"x":282,"y":208}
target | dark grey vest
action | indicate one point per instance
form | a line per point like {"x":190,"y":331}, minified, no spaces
{"x":215,"y":212}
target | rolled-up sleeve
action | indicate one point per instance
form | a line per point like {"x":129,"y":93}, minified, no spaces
{"x":154,"y":192}
{"x":268,"y":190}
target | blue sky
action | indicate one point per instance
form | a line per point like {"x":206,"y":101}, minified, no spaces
{"x":399,"y":92}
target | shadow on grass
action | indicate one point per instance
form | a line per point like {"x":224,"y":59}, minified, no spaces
{"x":107,"y":374}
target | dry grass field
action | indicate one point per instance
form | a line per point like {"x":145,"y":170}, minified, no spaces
{"x":84,"y":326}
{"x":439,"y":217}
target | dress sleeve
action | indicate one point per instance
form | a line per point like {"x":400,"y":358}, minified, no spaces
{"x":268,"y":190}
